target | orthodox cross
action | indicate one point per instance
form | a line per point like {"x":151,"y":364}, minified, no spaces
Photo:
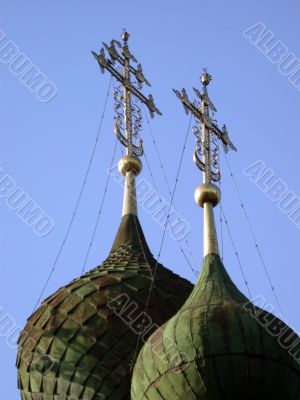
{"x":131,"y":79}
{"x":206,"y":130}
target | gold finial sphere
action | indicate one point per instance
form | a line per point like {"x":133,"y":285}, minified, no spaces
{"x":125,"y":35}
{"x":130,"y":163}
{"x":207,"y":193}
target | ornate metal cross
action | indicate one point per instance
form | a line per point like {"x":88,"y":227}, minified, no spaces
{"x":206,"y":130}
{"x":127,"y":94}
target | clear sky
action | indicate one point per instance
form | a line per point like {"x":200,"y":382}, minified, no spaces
{"x":46,"y":146}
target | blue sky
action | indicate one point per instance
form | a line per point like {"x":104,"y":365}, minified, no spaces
{"x":46,"y":147}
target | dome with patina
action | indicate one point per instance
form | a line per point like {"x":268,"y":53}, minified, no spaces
{"x":219,"y":346}
{"x":82,"y":340}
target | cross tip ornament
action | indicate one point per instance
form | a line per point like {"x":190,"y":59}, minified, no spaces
{"x":125,"y":35}
{"x":206,"y":129}
{"x":205,"y":77}
{"x":128,"y":95}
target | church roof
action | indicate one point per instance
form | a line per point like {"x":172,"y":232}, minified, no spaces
{"x":217,"y":347}
{"x":81,"y":342}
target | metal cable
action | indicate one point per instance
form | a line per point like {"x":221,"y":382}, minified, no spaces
{"x":191,"y":261}
{"x":221,"y":229}
{"x":142,"y":247}
{"x":220,"y":214}
{"x":236,"y":253}
{"x":162,"y":243}
{"x":101,"y":208}
{"x":253,"y":236}
{"x":78,"y":200}
{"x":181,"y":249}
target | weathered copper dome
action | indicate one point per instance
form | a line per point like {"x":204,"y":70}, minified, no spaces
{"x":81,"y":342}
{"x":218,"y":346}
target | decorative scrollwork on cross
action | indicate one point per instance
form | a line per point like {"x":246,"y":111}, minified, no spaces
{"x":128,"y":97}
{"x":206,"y":130}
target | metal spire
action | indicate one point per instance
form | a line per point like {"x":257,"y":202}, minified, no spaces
{"x":206,"y":156}
{"x":128,"y":101}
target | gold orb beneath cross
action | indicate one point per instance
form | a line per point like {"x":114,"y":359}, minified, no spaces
{"x":130,"y":163}
{"x":207,"y":193}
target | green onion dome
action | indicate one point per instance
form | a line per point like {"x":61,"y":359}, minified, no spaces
{"x":81,"y":342}
{"x":219,"y":346}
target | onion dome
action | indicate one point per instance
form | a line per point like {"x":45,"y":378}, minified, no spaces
{"x":218,"y":345}
{"x":81,"y":342}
